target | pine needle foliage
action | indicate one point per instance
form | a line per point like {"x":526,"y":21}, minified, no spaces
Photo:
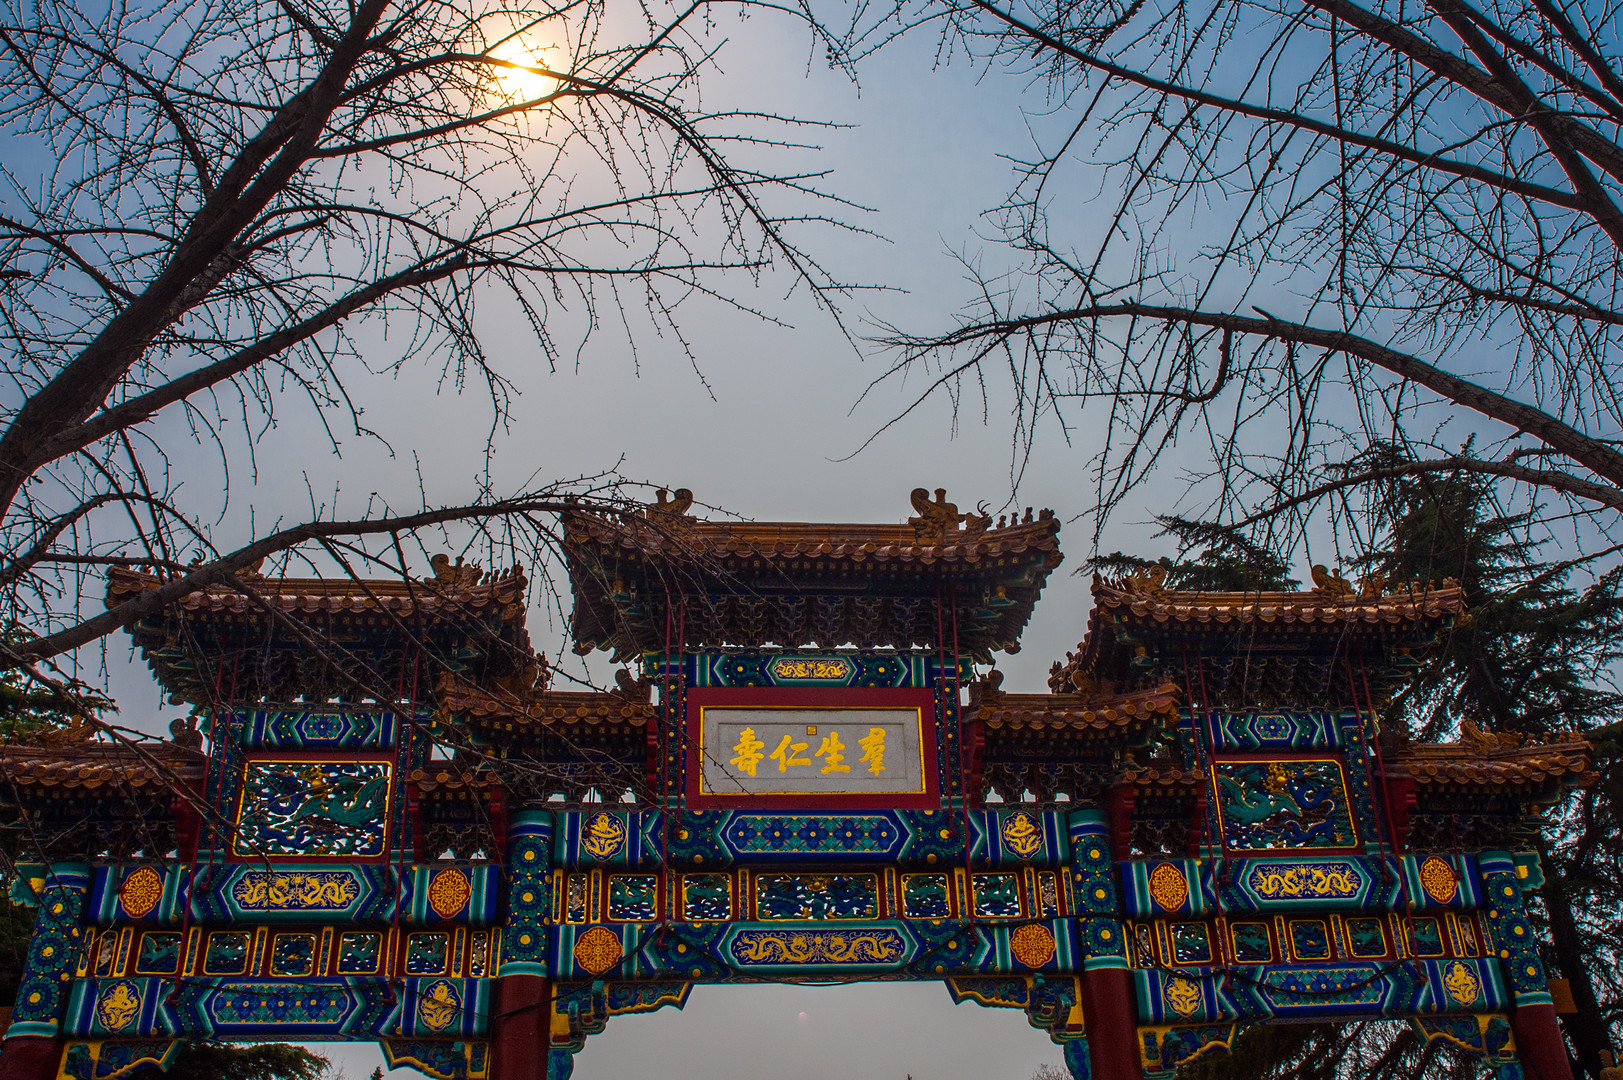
{"x":1536,"y":654}
{"x":1230,"y":561}
{"x":269,"y":1061}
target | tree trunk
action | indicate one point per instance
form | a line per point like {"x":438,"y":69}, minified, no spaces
{"x":1585,"y":1029}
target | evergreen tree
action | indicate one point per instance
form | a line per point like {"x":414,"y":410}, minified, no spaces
{"x":1229,"y":562}
{"x":1533,"y":655}
{"x":34,"y":715}
{"x":269,"y":1061}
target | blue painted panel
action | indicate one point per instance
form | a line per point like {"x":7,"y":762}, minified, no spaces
{"x":1301,"y":992}
{"x":237,"y":1008}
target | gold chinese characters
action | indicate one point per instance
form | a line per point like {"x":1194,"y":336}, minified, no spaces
{"x":829,"y":757}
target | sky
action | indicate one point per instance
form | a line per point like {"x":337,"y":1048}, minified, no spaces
{"x":771,"y":432}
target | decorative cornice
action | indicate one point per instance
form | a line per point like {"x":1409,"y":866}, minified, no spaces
{"x":456,"y":591}
{"x":98,"y":769}
{"x":1089,"y":714}
{"x":1486,"y":761}
{"x":538,"y":708}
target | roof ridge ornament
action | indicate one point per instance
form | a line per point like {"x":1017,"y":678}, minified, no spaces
{"x":1330,"y":583}
{"x":987,"y":690}
{"x":458,"y":574}
{"x":632,"y":688}
{"x":1481,"y":741}
{"x":1149,"y":581}
{"x":937,"y":522}
{"x":681,"y":500}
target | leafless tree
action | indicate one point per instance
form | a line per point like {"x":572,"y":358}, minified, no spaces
{"x":201,"y":200}
{"x":1333,"y":243}
{"x":1309,"y":226}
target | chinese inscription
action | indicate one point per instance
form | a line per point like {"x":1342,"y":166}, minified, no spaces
{"x":764,"y":751}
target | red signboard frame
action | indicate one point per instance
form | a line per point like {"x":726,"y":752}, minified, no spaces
{"x":774,"y":697}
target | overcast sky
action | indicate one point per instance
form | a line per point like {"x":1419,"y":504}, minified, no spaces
{"x":773,"y":444}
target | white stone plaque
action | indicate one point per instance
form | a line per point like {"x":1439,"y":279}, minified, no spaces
{"x":748,"y":750}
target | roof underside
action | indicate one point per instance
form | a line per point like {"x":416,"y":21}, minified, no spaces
{"x":661,"y":580}
{"x":1257,"y":647}
{"x":270,"y":639}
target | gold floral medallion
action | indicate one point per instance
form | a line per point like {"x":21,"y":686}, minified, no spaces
{"x":1437,"y":878}
{"x":448,"y":892}
{"x":1168,"y":887}
{"x":597,"y":950}
{"x":1032,"y":944}
{"x":141,"y":892}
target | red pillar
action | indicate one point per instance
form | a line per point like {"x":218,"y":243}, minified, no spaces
{"x":1539,"y":1044}
{"x":521,"y":1030}
{"x":30,"y":1057}
{"x":1111,"y":1023}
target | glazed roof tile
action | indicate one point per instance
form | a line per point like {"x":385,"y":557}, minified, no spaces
{"x":455,"y":591}
{"x":869,"y":546}
{"x":1334,"y":604}
{"x":1139,"y":603}
{"x":800,"y":583}
{"x":1484,"y":761}
{"x":1161,"y":776}
{"x":1077,"y":713}
{"x":97,"y":768}
{"x":377,"y":631}
{"x":939,"y":534}
{"x":538,"y":708}
{"x":444,"y":779}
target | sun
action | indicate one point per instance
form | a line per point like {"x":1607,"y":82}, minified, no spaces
{"x":517,"y":84}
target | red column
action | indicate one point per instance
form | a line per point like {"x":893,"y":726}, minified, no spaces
{"x":521,"y":1030}
{"x":1111,"y":1023}
{"x":30,"y":1057}
{"x":1539,"y":1044}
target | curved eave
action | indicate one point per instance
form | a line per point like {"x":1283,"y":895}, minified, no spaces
{"x":691,"y":543}
{"x":1076,"y":715}
{"x":98,"y":770}
{"x":626,"y":572}
{"x":502,"y":596}
{"x":440,"y":783}
{"x":558,"y":711}
{"x":1125,"y":612}
{"x":1163,"y":779}
{"x":1537,"y":773}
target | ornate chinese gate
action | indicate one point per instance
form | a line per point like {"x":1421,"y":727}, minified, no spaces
{"x":400,"y":832}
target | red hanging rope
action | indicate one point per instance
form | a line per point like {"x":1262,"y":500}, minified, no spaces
{"x":963,"y":791}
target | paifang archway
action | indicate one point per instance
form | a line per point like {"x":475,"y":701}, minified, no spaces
{"x":399,"y":831}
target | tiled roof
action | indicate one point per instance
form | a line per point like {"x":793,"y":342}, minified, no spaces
{"x":1333,"y":605}
{"x":1079,"y":713}
{"x":539,"y":708}
{"x":1138,"y":604}
{"x":446,"y":779}
{"x":455,"y":591}
{"x":798,"y":583}
{"x":939,"y":537}
{"x":1485,"y":761}
{"x":1160,"y":776}
{"x":275,"y":638}
{"x":97,"y":768}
